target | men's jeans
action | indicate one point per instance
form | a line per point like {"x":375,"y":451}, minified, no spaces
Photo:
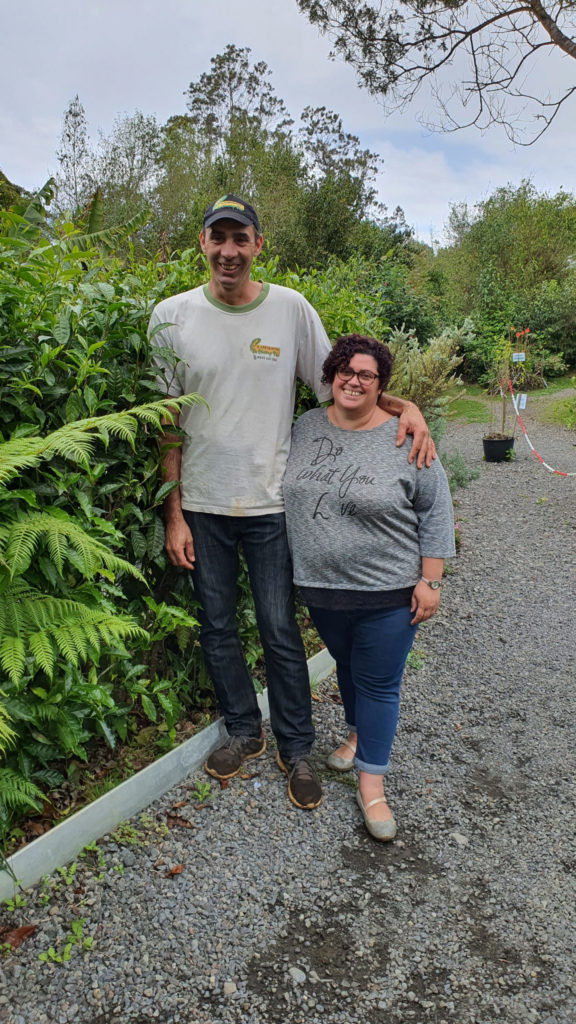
{"x":370,"y":650}
{"x":215,"y":580}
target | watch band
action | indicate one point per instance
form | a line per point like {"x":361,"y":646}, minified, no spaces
{"x":433,"y":584}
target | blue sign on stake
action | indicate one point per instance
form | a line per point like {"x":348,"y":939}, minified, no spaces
{"x":518,"y":357}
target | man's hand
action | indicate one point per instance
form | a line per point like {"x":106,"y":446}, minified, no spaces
{"x":424,"y":603}
{"x":412,"y":422}
{"x":179,"y":543}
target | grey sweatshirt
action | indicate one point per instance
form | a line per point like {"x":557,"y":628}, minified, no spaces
{"x":359,"y":516}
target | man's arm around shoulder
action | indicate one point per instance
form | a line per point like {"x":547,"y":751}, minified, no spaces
{"x":411,"y":421}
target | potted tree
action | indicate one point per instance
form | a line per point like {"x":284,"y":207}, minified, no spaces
{"x":498,"y":443}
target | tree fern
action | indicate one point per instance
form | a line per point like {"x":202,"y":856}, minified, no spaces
{"x":7,"y":734}
{"x":18,"y":792}
{"x":76,"y":441}
{"x":36,"y":627}
{"x":21,"y":539}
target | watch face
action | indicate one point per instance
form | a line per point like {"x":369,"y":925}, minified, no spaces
{"x":435,"y":584}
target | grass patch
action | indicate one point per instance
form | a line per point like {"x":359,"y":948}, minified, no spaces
{"x":561,"y":412}
{"x":556,"y":384}
{"x":469,"y":409}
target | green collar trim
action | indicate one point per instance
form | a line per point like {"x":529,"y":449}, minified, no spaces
{"x":237,"y":309}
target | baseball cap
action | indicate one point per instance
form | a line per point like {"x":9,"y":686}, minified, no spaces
{"x":229,"y":207}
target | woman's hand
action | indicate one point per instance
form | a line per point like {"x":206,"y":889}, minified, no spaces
{"x":411,"y":421}
{"x":424,"y":602}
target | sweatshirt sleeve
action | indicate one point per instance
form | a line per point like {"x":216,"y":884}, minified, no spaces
{"x":435,"y":512}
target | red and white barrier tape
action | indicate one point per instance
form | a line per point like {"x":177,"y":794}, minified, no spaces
{"x":557,"y":472}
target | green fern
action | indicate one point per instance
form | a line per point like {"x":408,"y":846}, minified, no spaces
{"x":20,"y":540}
{"x":7,"y":735}
{"x":19,"y":792}
{"x":76,"y":441}
{"x":36,"y":627}
{"x":95,"y":212}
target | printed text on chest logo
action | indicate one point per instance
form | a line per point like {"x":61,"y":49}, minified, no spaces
{"x":260,"y":351}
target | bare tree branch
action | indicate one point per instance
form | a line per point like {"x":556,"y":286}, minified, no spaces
{"x":493,"y":47}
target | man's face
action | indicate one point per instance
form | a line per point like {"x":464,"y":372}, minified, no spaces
{"x":230,"y":248}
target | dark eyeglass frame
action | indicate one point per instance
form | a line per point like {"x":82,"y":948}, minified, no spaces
{"x":366,"y":377}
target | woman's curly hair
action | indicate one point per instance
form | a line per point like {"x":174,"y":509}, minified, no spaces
{"x":350,"y":345}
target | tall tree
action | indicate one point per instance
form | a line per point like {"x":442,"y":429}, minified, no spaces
{"x":335,"y":153}
{"x":125,"y":165}
{"x":74,"y":180}
{"x":234,"y":95}
{"x":495,"y":45}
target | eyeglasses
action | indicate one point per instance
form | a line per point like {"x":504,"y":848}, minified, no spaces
{"x":364,"y":376}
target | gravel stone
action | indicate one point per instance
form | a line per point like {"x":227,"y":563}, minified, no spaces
{"x":468,"y":917}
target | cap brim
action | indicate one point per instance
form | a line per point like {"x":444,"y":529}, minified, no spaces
{"x":229,"y":215}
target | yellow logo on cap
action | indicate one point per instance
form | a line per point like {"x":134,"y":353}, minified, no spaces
{"x":224,"y":201}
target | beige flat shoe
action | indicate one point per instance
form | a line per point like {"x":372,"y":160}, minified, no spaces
{"x":341,"y":764}
{"x":383,"y":830}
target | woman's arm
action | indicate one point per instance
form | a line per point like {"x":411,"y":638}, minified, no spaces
{"x":425,"y":599}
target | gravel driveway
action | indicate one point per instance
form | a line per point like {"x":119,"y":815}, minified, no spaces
{"x":277,"y":916}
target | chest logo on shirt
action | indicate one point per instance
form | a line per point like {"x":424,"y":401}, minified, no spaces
{"x":260,"y":351}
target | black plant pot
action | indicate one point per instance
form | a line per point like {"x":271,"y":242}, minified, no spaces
{"x":497,"y":449}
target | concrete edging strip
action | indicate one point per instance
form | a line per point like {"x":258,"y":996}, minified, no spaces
{"x":64,"y":841}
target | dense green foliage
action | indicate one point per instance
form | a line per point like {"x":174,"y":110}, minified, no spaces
{"x":511,"y":266}
{"x":313,"y":186}
{"x":81,"y":540}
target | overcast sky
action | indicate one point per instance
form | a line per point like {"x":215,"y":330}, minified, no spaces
{"x":124,"y":55}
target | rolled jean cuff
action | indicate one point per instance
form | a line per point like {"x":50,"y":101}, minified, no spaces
{"x":371,"y":769}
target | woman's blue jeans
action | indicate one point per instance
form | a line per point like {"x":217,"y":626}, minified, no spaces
{"x":215,"y":584}
{"x":370,"y":650}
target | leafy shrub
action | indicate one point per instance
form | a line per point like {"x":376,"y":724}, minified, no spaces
{"x":56,"y":615}
{"x":426,"y":375}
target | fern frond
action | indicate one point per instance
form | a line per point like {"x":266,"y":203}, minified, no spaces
{"x":95,"y":213}
{"x":76,"y":440}
{"x":13,"y":656}
{"x":57,"y":546}
{"x":49,"y":777}
{"x":19,"y":792}
{"x":42,"y":753}
{"x":46,"y":712}
{"x":65,"y":645}
{"x":25,"y":534}
{"x":7,"y":735}
{"x":35,"y":625}
{"x":108,"y":238}
{"x":42,"y":650}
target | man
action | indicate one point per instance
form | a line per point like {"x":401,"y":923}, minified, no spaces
{"x":241,"y":346}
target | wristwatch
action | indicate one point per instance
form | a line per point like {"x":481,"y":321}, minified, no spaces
{"x":433,"y":584}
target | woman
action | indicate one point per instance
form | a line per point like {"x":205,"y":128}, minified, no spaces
{"x":368,"y":533}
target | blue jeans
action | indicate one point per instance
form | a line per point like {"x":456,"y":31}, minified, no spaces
{"x":214,"y":580}
{"x":370,"y":650}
